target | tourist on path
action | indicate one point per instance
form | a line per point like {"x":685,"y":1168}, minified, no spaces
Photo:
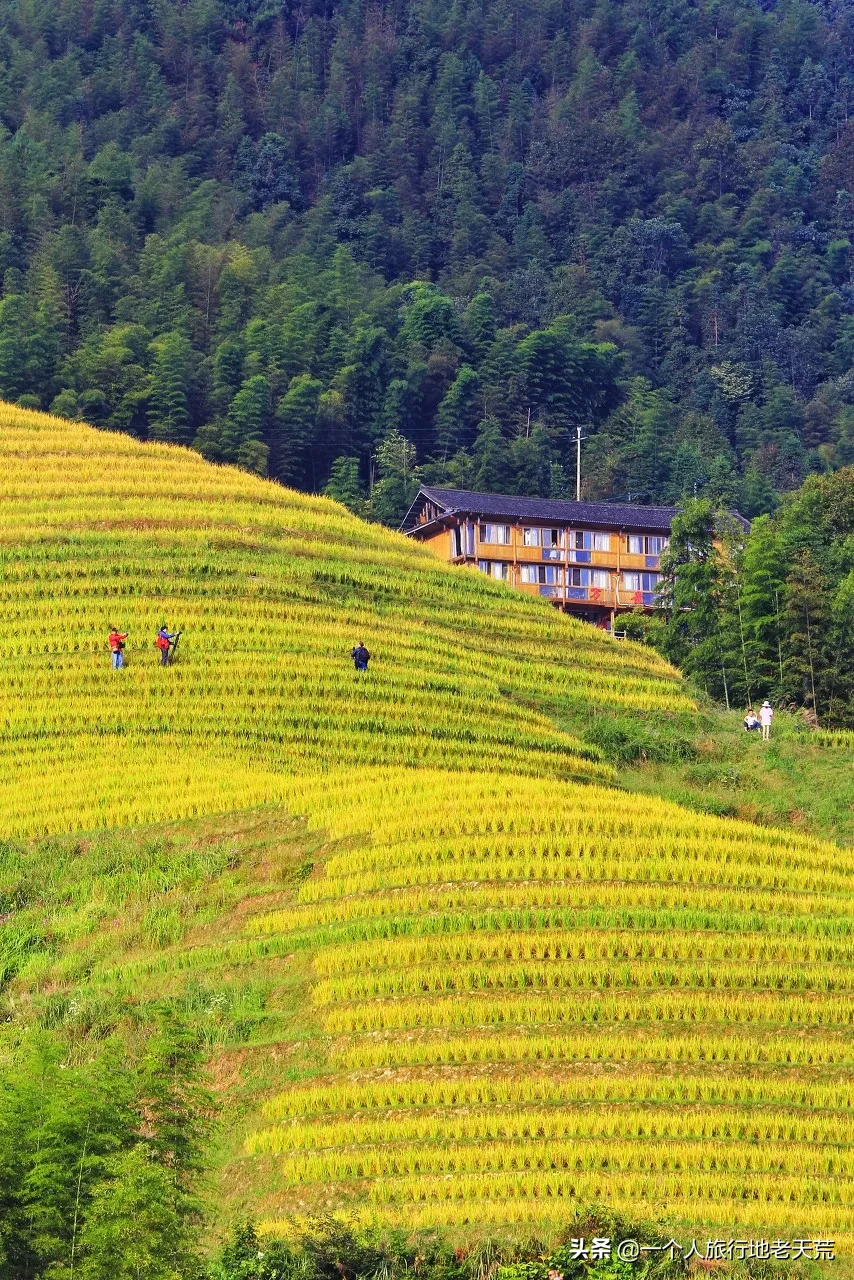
{"x":116,"y":641}
{"x":360,"y":657}
{"x":166,"y":642}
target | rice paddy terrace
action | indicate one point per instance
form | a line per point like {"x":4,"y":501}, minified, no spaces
{"x":271,"y":590}
{"x":450,"y":973}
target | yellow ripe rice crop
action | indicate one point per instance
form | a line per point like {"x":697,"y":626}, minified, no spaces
{"x":606,"y":1123}
{"x":271,"y":589}
{"x":576,"y":1155}
{"x":533,"y":1009}
{"x":377,"y":914}
{"x":521,"y":989}
{"x":542,"y":993}
{"x":568,"y":944}
{"x":596,"y":1047}
{"x":559,"y":1088}
{"x":717,"y":1217}
{"x":592,"y":1188}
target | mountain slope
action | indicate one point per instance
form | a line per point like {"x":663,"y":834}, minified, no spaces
{"x":534,"y":993}
{"x":220,"y":218}
{"x":447,"y":971}
{"x":271,"y":589}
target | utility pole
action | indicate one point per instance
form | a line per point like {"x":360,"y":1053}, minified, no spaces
{"x":578,"y":438}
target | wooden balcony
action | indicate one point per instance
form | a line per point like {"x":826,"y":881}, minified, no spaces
{"x":516,"y":553}
{"x":599,"y":597}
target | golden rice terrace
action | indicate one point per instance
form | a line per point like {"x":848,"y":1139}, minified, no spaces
{"x":499,"y":987}
{"x":271,"y":589}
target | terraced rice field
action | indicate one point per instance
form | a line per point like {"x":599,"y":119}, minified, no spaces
{"x":271,"y":590}
{"x":534,"y":994}
{"x":499,"y":988}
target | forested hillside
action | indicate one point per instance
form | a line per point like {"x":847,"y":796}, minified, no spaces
{"x":299,"y":233}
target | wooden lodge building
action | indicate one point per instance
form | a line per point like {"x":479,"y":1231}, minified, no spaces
{"x":592,"y":559}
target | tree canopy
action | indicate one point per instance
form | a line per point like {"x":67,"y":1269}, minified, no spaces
{"x":284,"y":233}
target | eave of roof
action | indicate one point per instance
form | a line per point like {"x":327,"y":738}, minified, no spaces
{"x":506,"y":506}
{"x":464,"y":503}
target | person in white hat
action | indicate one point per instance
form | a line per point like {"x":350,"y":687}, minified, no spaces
{"x":766,"y":715}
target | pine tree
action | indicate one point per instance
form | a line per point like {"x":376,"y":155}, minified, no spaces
{"x":246,"y":425}
{"x":14,"y":324}
{"x":722,"y":486}
{"x":688,"y":472}
{"x":398,"y":484}
{"x":761,"y":602}
{"x":758,"y":496}
{"x":491,"y":459}
{"x":531,"y":454}
{"x":457,"y":413}
{"x":479,"y":326}
{"x":296,"y":418}
{"x":839,"y":710}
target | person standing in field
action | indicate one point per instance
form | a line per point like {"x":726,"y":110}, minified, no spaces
{"x":360,"y":657}
{"x":766,"y":715}
{"x":166,"y":642}
{"x":116,"y":641}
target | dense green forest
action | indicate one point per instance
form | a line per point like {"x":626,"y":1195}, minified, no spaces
{"x":360,"y":241}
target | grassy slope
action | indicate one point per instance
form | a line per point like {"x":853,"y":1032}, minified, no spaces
{"x":492,"y":880}
{"x":707,"y":762}
{"x":798,"y":780}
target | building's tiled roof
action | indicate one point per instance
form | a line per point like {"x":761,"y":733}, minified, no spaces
{"x":611,"y":515}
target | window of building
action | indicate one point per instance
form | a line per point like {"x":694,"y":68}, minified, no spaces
{"x":600,"y":578}
{"x":542,"y":537}
{"x":578,"y":577}
{"x":641,"y":545}
{"x":579,"y":540}
{"x":640,"y":581}
{"x":601,"y":542}
{"x":495,"y":569}
{"x":495,"y":533}
{"x":545,"y":574}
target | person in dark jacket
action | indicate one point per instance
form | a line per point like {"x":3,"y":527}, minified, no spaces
{"x":360,"y":657}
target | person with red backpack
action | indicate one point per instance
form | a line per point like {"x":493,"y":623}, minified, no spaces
{"x":166,"y":642}
{"x":116,"y":641}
